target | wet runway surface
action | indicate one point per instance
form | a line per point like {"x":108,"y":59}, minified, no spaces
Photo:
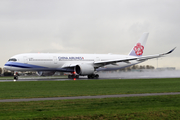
{"x":142,"y":74}
{"x":88,"y":97}
{"x":112,"y":75}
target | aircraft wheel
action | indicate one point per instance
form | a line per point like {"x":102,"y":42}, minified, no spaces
{"x":89,"y":76}
{"x":73,"y":76}
{"x":77,"y":76}
{"x":93,"y":76}
{"x":15,"y":77}
{"x":96,"y":76}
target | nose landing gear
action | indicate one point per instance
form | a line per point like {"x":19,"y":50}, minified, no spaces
{"x":16,"y":76}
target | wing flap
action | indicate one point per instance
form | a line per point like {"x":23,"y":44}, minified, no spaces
{"x":114,"y":61}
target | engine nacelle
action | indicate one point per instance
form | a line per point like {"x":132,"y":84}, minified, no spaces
{"x":84,"y":69}
{"x":45,"y":73}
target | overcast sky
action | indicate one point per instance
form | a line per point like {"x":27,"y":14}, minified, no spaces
{"x":90,"y":26}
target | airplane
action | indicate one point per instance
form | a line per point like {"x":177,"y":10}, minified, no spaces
{"x":79,"y":64}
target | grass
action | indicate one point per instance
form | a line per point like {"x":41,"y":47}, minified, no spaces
{"x":151,"y":107}
{"x":22,"y":77}
{"x":7,"y":78}
{"x":35,"y":89}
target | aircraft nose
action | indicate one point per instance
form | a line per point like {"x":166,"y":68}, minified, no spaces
{"x":6,"y":66}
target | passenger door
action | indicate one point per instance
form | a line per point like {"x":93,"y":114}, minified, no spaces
{"x":55,"y":59}
{"x":25,"y":59}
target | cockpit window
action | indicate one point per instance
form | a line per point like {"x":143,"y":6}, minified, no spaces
{"x":12,"y":59}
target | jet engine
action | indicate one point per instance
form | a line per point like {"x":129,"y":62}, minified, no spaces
{"x":84,"y":69}
{"x":45,"y":73}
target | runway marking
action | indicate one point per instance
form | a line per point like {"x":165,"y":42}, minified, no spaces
{"x":88,"y":97}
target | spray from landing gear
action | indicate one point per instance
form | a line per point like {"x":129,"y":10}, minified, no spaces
{"x":141,"y":74}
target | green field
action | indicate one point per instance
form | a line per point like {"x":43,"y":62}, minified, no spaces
{"x":7,"y":78}
{"x":22,"y":77}
{"x":35,"y":89}
{"x":151,"y":107}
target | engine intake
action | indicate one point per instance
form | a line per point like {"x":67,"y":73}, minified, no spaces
{"x":84,"y":69}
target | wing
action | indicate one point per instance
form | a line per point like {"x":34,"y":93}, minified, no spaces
{"x":143,"y":58}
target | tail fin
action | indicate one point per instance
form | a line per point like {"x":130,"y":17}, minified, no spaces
{"x":138,"y":49}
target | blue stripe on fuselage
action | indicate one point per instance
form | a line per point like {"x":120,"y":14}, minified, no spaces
{"x":22,"y":65}
{"x":37,"y":68}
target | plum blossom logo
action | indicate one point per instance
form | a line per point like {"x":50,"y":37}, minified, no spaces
{"x":139,"y":49}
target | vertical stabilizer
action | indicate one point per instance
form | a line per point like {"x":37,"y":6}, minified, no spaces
{"x":138,"y":49}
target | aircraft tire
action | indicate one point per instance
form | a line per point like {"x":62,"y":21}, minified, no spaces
{"x":70,"y":76}
{"x":96,"y":76}
{"x":93,"y":76}
{"x":77,"y":76}
{"x":89,"y":77}
{"x":15,"y":77}
{"x":73,"y":76}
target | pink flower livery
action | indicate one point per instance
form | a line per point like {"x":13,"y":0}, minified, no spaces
{"x":139,"y":49}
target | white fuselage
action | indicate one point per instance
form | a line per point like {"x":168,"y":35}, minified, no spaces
{"x":58,"y":62}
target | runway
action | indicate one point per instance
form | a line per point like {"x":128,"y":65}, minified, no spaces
{"x":88,"y":97}
{"x":111,"y":75}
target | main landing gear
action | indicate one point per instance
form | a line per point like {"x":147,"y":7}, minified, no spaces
{"x":93,"y":76}
{"x":73,"y":76}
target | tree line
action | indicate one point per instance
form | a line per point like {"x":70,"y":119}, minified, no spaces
{"x":4,"y":72}
{"x":137,"y":67}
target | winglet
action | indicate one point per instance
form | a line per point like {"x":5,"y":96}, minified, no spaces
{"x":169,"y":51}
